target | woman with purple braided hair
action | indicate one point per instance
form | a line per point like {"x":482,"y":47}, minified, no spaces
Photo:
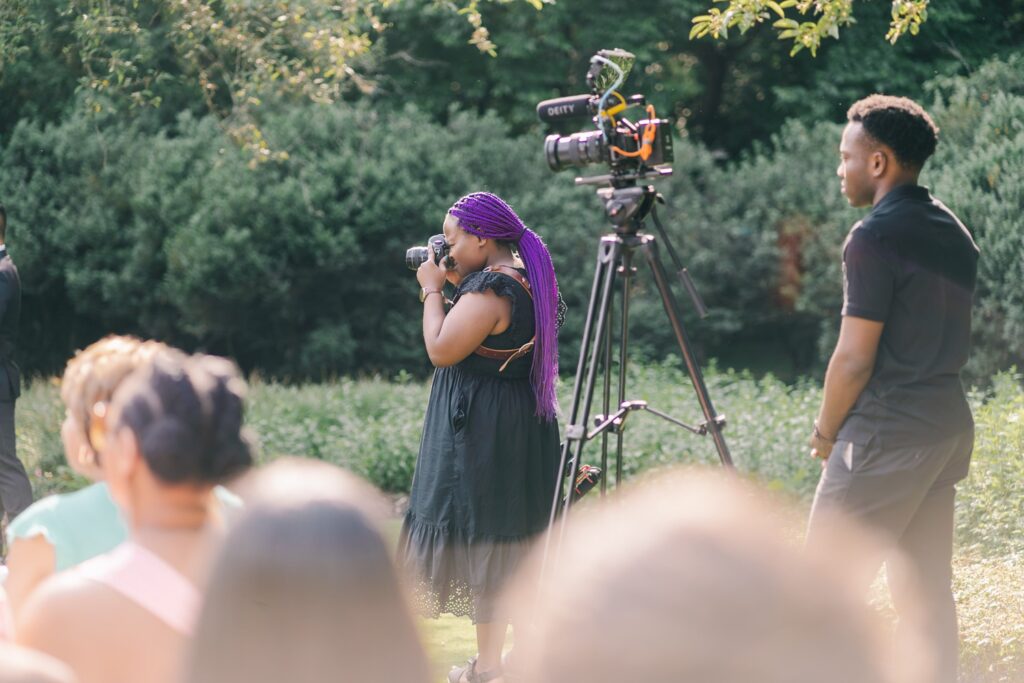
{"x":488,"y":460}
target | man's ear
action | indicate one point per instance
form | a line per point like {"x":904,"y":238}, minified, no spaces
{"x":881,"y":158}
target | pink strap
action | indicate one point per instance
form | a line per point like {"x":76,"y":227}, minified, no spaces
{"x":147,"y":580}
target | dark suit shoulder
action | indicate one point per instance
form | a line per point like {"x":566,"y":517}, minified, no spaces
{"x":9,"y":277}
{"x":7,"y":265}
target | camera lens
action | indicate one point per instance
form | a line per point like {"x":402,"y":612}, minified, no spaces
{"x":415,"y":256}
{"x":578,"y":149}
{"x":437,"y":248}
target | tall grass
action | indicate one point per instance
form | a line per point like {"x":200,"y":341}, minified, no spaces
{"x":373,"y":427}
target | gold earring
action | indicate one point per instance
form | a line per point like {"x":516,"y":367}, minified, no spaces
{"x":97,"y":433}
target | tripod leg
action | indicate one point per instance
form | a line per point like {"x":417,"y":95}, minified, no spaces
{"x":594,"y":333}
{"x":607,"y":403}
{"x":626,"y":270}
{"x":650,"y":248}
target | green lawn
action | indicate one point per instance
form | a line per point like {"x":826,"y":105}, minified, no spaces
{"x":450,"y":641}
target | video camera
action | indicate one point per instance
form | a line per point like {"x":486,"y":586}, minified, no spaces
{"x":632,"y":150}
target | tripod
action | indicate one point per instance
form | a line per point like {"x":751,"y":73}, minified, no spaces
{"x":626,"y":208}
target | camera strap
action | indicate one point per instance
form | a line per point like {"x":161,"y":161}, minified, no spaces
{"x":508,"y":355}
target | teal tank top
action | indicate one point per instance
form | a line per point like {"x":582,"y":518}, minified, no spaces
{"x":82,"y":524}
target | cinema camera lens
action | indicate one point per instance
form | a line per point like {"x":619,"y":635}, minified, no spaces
{"x":578,"y":149}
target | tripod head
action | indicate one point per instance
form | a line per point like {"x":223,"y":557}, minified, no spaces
{"x":627,"y":207}
{"x":625,"y":203}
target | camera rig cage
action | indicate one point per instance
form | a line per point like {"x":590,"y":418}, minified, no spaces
{"x":633,"y":150}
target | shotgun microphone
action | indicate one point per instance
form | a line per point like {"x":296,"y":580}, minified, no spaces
{"x":565,"y":108}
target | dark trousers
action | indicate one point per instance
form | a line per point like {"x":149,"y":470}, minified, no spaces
{"x":15,"y":490}
{"x":907,"y":495}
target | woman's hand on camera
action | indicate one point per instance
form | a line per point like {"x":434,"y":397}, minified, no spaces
{"x":431,"y":275}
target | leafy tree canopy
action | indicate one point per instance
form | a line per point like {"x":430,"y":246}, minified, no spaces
{"x":166,"y":56}
{"x":151,"y":60}
{"x":727,"y":94}
{"x":809,"y":23}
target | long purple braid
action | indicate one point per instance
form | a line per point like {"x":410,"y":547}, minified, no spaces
{"x":486,"y":215}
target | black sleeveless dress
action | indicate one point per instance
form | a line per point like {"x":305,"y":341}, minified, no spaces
{"x":485,"y":475}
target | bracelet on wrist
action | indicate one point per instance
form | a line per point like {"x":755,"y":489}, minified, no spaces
{"x":819,"y":435}
{"x":427,"y":291}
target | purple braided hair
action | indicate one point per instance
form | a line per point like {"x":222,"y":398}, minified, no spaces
{"x":486,"y":215}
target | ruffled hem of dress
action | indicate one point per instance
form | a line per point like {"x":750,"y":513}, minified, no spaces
{"x":454,"y":575}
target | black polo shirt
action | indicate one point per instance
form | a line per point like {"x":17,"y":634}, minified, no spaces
{"x":912,"y":265}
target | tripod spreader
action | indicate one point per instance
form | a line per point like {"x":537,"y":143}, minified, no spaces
{"x":614,"y":423}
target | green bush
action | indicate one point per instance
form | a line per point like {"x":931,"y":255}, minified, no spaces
{"x":294,"y":266}
{"x":370,"y":427}
{"x":38,"y":417}
{"x":766,"y":233}
{"x":990,"y":507}
{"x":979,"y":172}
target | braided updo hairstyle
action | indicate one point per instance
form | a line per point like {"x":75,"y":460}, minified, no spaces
{"x":187,"y":413}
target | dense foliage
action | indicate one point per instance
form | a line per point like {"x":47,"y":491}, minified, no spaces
{"x":228,"y":177}
{"x":298,"y":272}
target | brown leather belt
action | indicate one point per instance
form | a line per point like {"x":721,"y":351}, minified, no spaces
{"x":508,"y":355}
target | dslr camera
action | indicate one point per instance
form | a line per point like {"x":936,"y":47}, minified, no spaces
{"x":437,"y":248}
{"x":633,"y":149}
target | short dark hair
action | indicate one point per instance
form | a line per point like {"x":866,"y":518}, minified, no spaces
{"x":3,"y":223}
{"x":898,"y":123}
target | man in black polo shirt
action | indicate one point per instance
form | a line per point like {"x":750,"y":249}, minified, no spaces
{"x":895,"y":429}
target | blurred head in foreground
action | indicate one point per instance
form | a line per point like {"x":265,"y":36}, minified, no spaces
{"x":690,"y":578}
{"x":21,"y":665}
{"x":304,"y":589}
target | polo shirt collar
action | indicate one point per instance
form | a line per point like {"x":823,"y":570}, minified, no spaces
{"x":918,"y":192}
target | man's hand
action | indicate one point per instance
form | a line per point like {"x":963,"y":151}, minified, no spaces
{"x":820,"y":448}
{"x":848,"y":373}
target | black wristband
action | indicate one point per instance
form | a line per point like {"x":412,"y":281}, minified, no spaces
{"x":818,"y":434}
